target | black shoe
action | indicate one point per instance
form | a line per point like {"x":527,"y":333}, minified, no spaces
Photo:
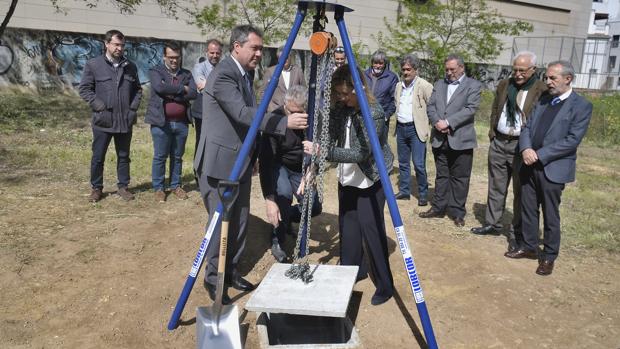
{"x":401,"y":196}
{"x":431,"y":213}
{"x":422,"y":202}
{"x":277,"y":252}
{"x":241,"y":284}
{"x":378,"y":299}
{"x":484,"y":230}
{"x":211,"y":290}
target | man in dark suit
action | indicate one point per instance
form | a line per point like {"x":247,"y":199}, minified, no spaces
{"x":548,"y":145}
{"x":451,"y":110}
{"x":514,"y":100}
{"x":229,"y":106}
{"x":292,"y":75}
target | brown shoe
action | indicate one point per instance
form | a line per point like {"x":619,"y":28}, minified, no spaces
{"x":545,"y":267}
{"x":125,"y":194}
{"x":521,"y":253}
{"x":95,"y":195}
{"x":180,"y":193}
{"x":431,"y":213}
{"x":459,"y":222}
{"x":160,"y":196}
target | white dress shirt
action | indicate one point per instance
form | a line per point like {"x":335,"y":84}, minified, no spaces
{"x":350,"y":174}
{"x":405,"y":105}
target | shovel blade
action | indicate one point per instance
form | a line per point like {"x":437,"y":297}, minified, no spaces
{"x":218,"y":329}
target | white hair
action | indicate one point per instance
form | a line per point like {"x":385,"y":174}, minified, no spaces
{"x":529,"y":54}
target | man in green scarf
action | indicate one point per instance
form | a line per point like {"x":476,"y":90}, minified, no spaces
{"x":515,"y":98}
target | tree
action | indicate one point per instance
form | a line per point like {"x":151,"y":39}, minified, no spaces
{"x":436,"y":28}
{"x":272,"y":17}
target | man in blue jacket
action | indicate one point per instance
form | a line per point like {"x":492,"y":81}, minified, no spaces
{"x":112,"y":89}
{"x":168,"y":113}
{"x":382,"y":82}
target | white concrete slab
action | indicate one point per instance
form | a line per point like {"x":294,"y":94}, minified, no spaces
{"x":328,"y":295}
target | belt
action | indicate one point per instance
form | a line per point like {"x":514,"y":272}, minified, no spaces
{"x":504,"y":137}
{"x":404,"y":123}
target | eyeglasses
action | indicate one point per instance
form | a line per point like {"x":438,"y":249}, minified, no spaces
{"x":521,"y":70}
{"x":339,"y":49}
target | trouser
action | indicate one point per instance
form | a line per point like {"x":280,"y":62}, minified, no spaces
{"x":452,"y":180}
{"x":504,"y":163}
{"x":287,"y":182}
{"x":362,"y":231}
{"x":237,"y":228}
{"x":168,"y":143}
{"x":101,"y":141}
{"x":410,"y":147}
{"x":537,"y":191}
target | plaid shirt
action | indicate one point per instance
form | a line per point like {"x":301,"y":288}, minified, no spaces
{"x":360,"y":151}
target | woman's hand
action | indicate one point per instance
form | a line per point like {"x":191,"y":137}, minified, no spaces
{"x":310,"y":148}
{"x":308,"y":180}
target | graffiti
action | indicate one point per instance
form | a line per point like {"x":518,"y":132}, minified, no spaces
{"x":56,"y":60}
{"x":6,"y":59}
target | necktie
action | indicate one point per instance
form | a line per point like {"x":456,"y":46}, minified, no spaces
{"x":249,"y":86}
{"x":555,"y":100}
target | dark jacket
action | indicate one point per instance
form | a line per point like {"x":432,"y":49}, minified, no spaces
{"x":384,"y":90}
{"x":277,"y":150}
{"x":163,"y":90}
{"x":113,"y":94}
{"x":501,"y":95}
{"x":359,"y":150}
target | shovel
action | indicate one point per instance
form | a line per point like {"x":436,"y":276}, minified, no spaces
{"x":218,"y":326}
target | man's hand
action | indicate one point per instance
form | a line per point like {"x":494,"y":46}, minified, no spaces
{"x":273,"y":212}
{"x":529,"y":156}
{"x":297,"y":121}
{"x":442,"y":126}
{"x":311,"y":148}
{"x":201,"y":83}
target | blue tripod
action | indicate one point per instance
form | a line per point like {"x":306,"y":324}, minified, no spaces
{"x":321,"y":6}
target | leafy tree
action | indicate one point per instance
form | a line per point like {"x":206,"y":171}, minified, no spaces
{"x":273,"y":17}
{"x":434,"y":29}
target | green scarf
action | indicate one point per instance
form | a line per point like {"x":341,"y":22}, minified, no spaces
{"x":511,"y":104}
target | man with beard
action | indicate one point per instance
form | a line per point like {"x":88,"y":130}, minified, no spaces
{"x":514,"y":100}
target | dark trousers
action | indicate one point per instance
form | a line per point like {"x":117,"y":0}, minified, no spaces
{"x":362,"y":231}
{"x":101,"y":141}
{"x":237,"y":228}
{"x":504,"y":164}
{"x":452,"y":180}
{"x":197,"y":127}
{"x":537,"y":191}
{"x":411,"y":148}
{"x":287,"y":182}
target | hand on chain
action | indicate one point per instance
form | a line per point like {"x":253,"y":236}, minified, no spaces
{"x":297,"y":121}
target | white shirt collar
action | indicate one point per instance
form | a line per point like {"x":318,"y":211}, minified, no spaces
{"x":565,"y":95}
{"x":411,"y":84}
{"x":243,"y":72}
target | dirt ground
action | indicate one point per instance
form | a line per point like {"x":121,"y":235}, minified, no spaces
{"x":78,"y":275}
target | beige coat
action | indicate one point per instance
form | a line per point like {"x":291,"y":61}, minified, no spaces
{"x":422,"y":91}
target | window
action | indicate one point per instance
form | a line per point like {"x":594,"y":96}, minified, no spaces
{"x":614,"y":41}
{"x":612,"y":62}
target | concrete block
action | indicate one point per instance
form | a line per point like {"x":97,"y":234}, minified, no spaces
{"x":328,"y":295}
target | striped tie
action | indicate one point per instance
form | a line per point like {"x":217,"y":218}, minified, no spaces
{"x":555,"y":100}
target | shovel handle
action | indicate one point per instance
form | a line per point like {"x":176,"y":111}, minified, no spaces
{"x":228,"y":192}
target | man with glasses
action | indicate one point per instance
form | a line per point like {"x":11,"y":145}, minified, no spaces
{"x":515,"y":98}
{"x":168,"y":113}
{"x":112,"y":89}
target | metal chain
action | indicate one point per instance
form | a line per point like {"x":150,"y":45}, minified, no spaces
{"x":300,"y":269}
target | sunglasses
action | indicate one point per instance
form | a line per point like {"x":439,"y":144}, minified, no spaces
{"x":339,"y":49}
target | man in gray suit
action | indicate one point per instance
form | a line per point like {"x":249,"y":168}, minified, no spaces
{"x":548,"y":145}
{"x":292,"y":75}
{"x":229,"y":106}
{"x":451,"y":110}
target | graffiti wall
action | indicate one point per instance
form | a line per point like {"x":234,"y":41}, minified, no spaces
{"x":55,"y":60}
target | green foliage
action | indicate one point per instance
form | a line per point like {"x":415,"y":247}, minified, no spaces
{"x":605,"y":124}
{"x":437,"y":28}
{"x":273,"y":17}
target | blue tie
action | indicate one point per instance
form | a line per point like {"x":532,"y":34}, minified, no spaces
{"x":555,"y":100}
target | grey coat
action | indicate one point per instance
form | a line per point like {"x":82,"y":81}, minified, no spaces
{"x":113,"y":94}
{"x":558,"y":154}
{"x":459,"y":113}
{"x":229,"y":111}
